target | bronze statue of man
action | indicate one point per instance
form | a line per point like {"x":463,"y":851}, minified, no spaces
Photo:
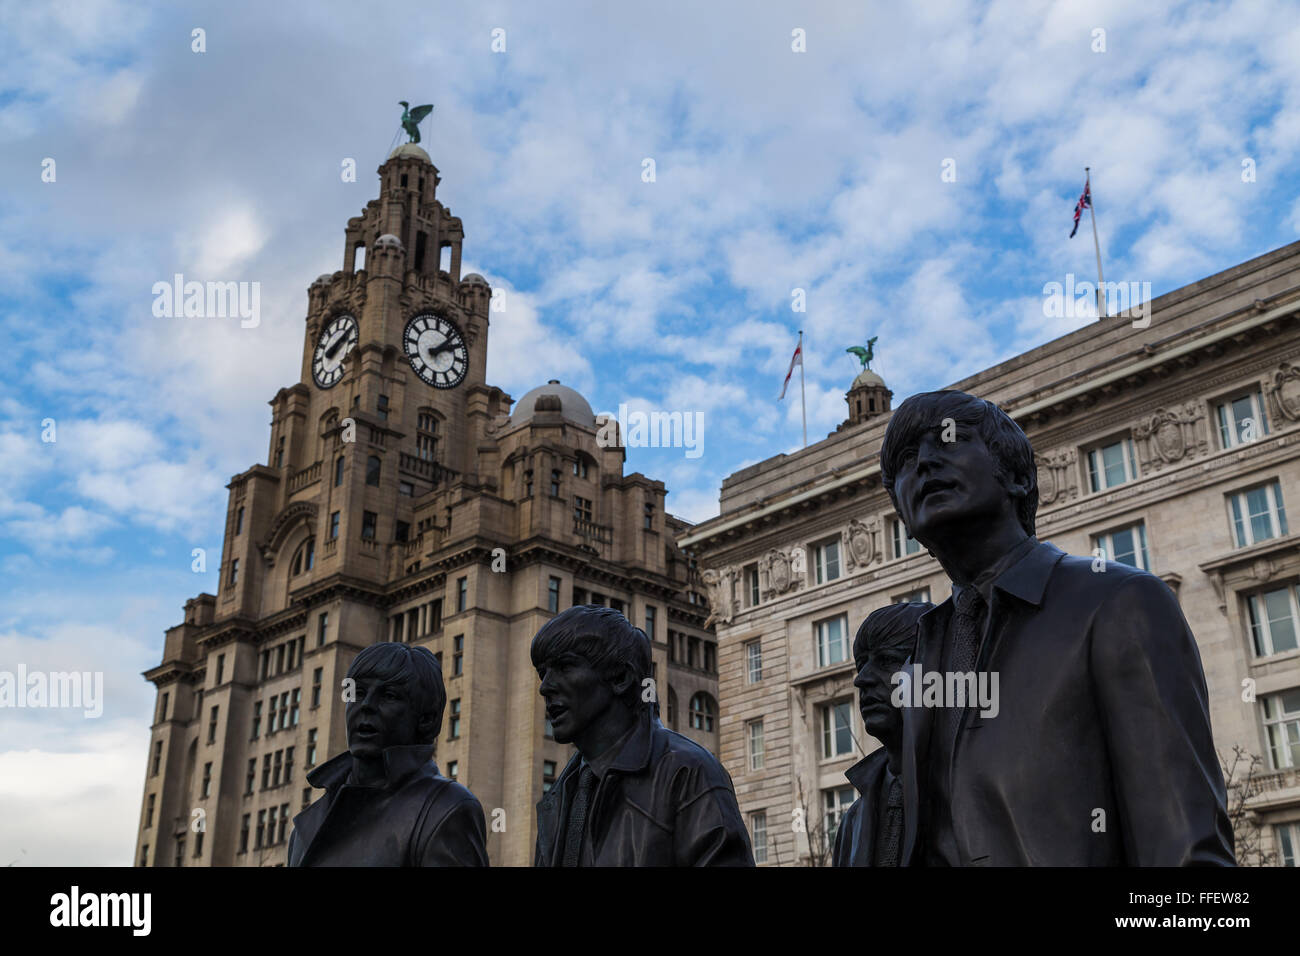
{"x":635,"y":793}
{"x":1097,"y":751}
{"x":385,"y":803}
{"x":871,"y":831}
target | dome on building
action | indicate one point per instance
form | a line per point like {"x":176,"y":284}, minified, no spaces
{"x":867,"y":378}
{"x":553,"y":397}
{"x":410,"y":150}
{"x":324,"y":279}
{"x":388,"y":241}
{"x":474,"y":279}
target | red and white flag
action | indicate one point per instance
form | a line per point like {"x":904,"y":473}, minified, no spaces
{"x":796,"y":359}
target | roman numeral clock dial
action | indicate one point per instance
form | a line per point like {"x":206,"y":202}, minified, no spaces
{"x":436,"y":350}
{"x":337,"y":339}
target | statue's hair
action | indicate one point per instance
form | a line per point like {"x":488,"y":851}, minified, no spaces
{"x":604,"y":638}
{"x":1013,"y":456}
{"x":889,"y":632}
{"x":415,"y":669}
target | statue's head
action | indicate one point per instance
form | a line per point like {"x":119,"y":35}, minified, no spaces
{"x":590,"y":659}
{"x":884,"y":642}
{"x":398,"y":699}
{"x":951,"y":457}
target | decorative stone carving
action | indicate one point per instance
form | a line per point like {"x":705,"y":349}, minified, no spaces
{"x":860,"y":542}
{"x":1262,"y":569}
{"x":776,"y":564}
{"x":718,"y":585}
{"x":1283,"y":391}
{"x":1169,"y":435}
{"x":1057,"y":480}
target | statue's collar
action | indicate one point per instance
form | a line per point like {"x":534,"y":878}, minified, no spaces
{"x":399,"y":763}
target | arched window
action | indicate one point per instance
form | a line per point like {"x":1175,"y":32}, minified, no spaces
{"x":304,"y":559}
{"x":372,"y":470}
{"x":703,"y":712}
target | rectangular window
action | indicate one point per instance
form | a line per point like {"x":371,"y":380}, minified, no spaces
{"x":835,"y":801}
{"x":1287,"y":836}
{"x":206,"y":790}
{"x":284,"y":822}
{"x":234,"y":570}
{"x":243,"y":832}
{"x":369,"y":521}
{"x":221,"y":667}
{"x":453,"y":769}
{"x":548,"y":775}
{"x":276,"y":767}
{"x":266,"y":771}
{"x":373,"y":466}
{"x":383,"y":405}
{"x":1111,"y":465}
{"x":555,"y":483}
{"x":650,"y":612}
{"x":553,"y":595}
{"x":272,"y":703}
{"x":919,"y":596}
{"x":751,"y":585}
{"x":648,"y":519}
{"x":239,"y":520}
{"x":311,"y":747}
{"x":755,"y":737}
{"x":260,"y":837}
{"x":279,"y":659}
{"x":904,"y":543}
{"x":338,"y":472}
{"x":458,"y":655}
{"x":837,"y":732}
{"x":1282,"y":728}
{"x":1257,"y":514}
{"x":402,"y":531}
{"x":758,"y":835}
{"x":1126,"y":545}
{"x":251,"y":778}
{"x":315,"y":686}
{"x":148,"y":812}
{"x":406,"y":489}
{"x":1274,"y":618}
{"x":581,"y":508}
{"x":334,"y":524}
{"x":212,"y":726}
{"x":832,"y":641}
{"x":293,"y":706}
{"x":826,"y":560}
{"x":162,"y":715}
{"x":288,"y":765}
{"x":322,"y":628}
{"x":453,"y":725}
{"x":462,"y":594}
{"x":1241,"y":419}
{"x":754,"y":662}
{"x":306,"y":797}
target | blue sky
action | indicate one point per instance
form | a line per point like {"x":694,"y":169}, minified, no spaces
{"x":775,"y":170}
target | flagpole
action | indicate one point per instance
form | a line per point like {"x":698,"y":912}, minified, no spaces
{"x":802,"y":401}
{"x":1092,"y":203}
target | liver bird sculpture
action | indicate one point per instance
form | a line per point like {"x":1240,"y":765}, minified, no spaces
{"x":864,"y":354}
{"x":411,"y":119}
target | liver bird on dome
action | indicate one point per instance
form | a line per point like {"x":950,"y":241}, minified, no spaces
{"x":411,"y":119}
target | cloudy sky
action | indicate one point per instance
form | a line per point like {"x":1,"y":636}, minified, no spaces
{"x":775,"y":170}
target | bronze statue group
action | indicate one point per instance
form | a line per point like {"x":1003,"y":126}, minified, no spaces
{"x":1096,"y":752}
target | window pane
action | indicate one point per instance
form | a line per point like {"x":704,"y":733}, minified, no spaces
{"x":1112,"y":457}
{"x":1281,"y":625}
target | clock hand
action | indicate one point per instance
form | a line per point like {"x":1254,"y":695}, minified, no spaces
{"x":444,"y":347}
{"x":338,"y":342}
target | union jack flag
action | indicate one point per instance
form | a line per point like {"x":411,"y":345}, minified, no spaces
{"x":1084,"y":202}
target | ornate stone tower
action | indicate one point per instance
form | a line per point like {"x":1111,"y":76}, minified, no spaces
{"x":402,"y":502}
{"x":867,"y":397}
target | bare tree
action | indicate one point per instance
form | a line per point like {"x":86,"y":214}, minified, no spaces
{"x":1245,"y":824}
{"x":819,"y":833}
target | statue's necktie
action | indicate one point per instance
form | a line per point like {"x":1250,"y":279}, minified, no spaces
{"x":577,"y":823}
{"x":967,"y":625}
{"x":890,"y":840}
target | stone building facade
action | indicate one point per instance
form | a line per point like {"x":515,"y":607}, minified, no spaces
{"x":1174,"y":446}
{"x":405,"y":499}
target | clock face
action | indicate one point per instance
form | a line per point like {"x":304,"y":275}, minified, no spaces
{"x":436,"y":350}
{"x":337,"y":339}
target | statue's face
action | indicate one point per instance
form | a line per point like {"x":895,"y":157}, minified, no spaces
{"x":875,"y":686}
{"x":942,"y":482}
{"x":381,"y":716}
{"x":576,"y":694}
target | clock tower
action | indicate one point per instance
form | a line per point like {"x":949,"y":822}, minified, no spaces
{"x":403,"y":499}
